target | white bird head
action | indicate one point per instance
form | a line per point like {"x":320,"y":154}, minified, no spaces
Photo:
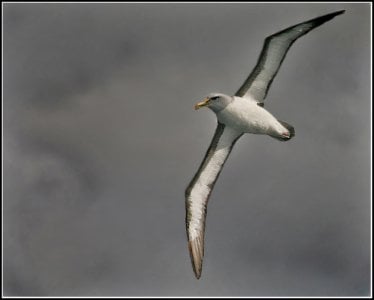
{"x":215,"y":102}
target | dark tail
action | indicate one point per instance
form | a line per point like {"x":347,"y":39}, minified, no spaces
{"x":290,"y":128}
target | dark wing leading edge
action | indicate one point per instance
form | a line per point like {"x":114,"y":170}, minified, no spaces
{"x":199,"y":189}
{"x":273,"y":52}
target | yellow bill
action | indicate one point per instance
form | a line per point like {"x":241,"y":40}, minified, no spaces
{"x":201,"y":104}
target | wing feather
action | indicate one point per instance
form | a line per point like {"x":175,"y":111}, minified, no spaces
{"x":200,"y":188}
{"x":272,"y":55}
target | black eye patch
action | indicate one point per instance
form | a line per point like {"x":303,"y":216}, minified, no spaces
{"x":214,"y":98}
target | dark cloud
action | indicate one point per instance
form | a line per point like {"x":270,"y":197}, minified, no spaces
{"x":100,"y":141}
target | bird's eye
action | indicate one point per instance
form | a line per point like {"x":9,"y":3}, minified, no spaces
{"x":214,"y":98}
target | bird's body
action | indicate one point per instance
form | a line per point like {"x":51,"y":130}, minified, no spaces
{"x":236,"y":115}
{"x":246,"y":116}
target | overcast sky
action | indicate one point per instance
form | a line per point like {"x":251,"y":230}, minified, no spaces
{"x":101,"y":139}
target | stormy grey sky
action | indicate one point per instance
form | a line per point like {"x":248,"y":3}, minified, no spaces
{"x":101,"y":139}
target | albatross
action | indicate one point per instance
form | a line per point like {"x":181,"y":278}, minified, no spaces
{"x":242,"y":113}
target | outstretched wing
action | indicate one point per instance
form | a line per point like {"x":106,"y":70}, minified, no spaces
{"x":273,"y":52}
{"x":199,"y":189}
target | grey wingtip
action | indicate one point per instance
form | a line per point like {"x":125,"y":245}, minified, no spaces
{"x":197,"y":273}
{"x":337,"y":13}
{"x":196,"y":252}
{"x":325,"y":18}
{"x":331,"y":15}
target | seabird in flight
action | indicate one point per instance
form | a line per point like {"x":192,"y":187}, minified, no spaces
{"x":242,"y":113}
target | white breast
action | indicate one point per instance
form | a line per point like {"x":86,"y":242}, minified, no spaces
{"x":246,"y":116}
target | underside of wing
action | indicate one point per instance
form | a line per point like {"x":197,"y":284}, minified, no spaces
{"x":200,"y":188}
{"x":272,"y":55}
